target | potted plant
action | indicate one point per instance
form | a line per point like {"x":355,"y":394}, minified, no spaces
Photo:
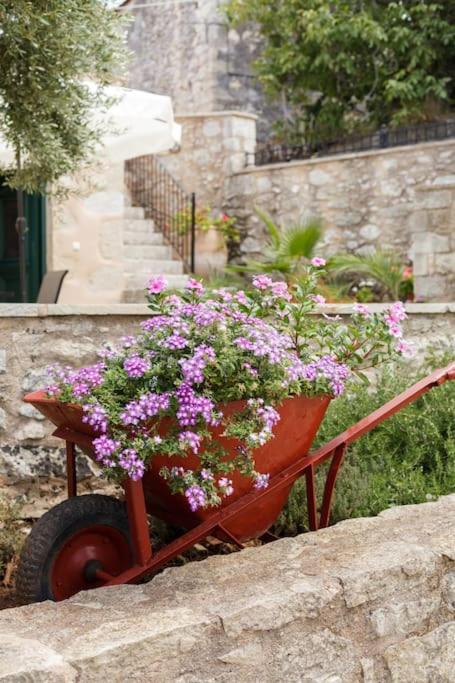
{"x":195,"y":399}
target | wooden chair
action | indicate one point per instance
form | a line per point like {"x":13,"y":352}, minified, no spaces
{"x":51,"y":285}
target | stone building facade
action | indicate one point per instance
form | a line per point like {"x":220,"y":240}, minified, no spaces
{"x":400,"y":198}
{"x":185,"y":49}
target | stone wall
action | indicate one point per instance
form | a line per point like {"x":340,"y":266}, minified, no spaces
{"x":186,"y":50}
{"x":366,"y":601}
{"x":35,"y":336}
{"x":401,"y":198}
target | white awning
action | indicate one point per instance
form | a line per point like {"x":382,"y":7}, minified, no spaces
{"x":141,"y":123}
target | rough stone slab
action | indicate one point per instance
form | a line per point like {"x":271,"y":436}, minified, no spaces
{"x":368,"y":600}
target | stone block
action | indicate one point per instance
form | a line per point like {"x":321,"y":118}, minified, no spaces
{"x":430,"y":242}
{"x":318,"y":177}
{"x":30,"y":431}
{"x":2,"y":361}
{"x":418,"y":221}
{"x":211,"y":128}
{"x":445,"y":263}
{"x":370,"y":232}
{"x":435,"y":199}
{"x":431,"y":288}
{"x":425,"y":659}
{"x":403,"y":618}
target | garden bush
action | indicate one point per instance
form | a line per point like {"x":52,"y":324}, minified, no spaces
{"x":410,"y":458}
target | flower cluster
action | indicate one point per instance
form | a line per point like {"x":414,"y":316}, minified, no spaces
{"x":210,"y":369}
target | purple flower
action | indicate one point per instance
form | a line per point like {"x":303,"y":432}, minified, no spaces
{"x":225,"y":485}
{"x":196,"y":497}
{"x":318,"y":299}
{"x":191,"y":440}
{"x":136,"y":366}
{"x":132,"y":464}
{"x":193,"y":368}
{"x":261,"y":481}
{"x":175,"y":342}
{"x":318,"y":262}
{"x":156,"y":284}
{"x":96,"y":416}
{"x":262,"y":282}
{"x":395,"y":330}
{"x":207,"y":475}
{"x":147,"y":406}
{"x":104,"y":449}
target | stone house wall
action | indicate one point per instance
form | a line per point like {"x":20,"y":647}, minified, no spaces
{"x":402,"y":198}
{"x":34,"y":336}
{"x":187,"y":51}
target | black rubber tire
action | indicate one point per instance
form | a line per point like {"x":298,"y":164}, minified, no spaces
{"x":52,"y":530}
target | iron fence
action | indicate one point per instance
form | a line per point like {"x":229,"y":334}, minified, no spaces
{"x":381,"y":139}
{"x":166,"y":203}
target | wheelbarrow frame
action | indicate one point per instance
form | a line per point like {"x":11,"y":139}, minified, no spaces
{"x":146,"y":561}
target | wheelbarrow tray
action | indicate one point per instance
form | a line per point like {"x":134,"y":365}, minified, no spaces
{"x":293,"y":435}
{"x":246,"y":514}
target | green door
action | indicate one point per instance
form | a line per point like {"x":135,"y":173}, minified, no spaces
{"x":9,"y":247}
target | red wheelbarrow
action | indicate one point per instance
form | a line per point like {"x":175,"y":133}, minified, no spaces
{"x":93,"y":540}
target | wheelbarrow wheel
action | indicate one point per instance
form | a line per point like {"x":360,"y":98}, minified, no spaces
{"x":75,"y":546}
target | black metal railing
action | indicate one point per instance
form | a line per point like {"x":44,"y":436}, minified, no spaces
{"x":166,"y":203}
{"x":381,"y":139}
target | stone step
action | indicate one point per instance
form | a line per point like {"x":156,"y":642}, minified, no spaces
{"x":142,"y":252}
{"x":133,"y":212}
{"x":133,"y":237}
{"x":140,"y":225}
{"x":153,"y":267}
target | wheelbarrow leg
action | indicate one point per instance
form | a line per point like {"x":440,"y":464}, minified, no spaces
{"x":311,"y":498}
{"x":337,"y":460}
{"x":71,"y":476}
{"x":137,"y":518}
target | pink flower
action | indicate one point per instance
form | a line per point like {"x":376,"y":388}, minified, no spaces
{"x":156,"y":284}
{"x":318,"y":262}
{"x":405,"y":349}
{"x":318,"y":299}
{"x":395,"y":330}
{"x":194,"y":285}
{"x":280,"y":290}
{"x":361,"y":309}
{"x":262,"y":281}
{"x":396,"y":313}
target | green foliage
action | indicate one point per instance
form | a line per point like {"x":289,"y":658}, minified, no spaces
{"x":384,"y":267}
{"x":287,"y":249}
{"x":11,"y":537}
{"x":410,"y":458}
{"x":47,"y":49}
{"x":344,"y":66}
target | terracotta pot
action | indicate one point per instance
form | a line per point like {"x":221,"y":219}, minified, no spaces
{"x":294,"y":434}
{"x":211,"y":252}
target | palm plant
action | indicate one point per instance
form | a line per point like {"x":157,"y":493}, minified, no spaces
{"x":286,"y":248}
{"x":385,"y":268}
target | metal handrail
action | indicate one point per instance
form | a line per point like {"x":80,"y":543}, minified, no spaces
{"x":166,"y":203}
{"x":269,"y":153}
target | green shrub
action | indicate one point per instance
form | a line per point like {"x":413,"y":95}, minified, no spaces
{"x":11,"y":537}
{"x":410,"y":458}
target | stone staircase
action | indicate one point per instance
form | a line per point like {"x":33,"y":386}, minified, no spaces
{"x":146,"y":253}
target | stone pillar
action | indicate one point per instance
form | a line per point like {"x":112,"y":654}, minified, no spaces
{"x":433,"y":241}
